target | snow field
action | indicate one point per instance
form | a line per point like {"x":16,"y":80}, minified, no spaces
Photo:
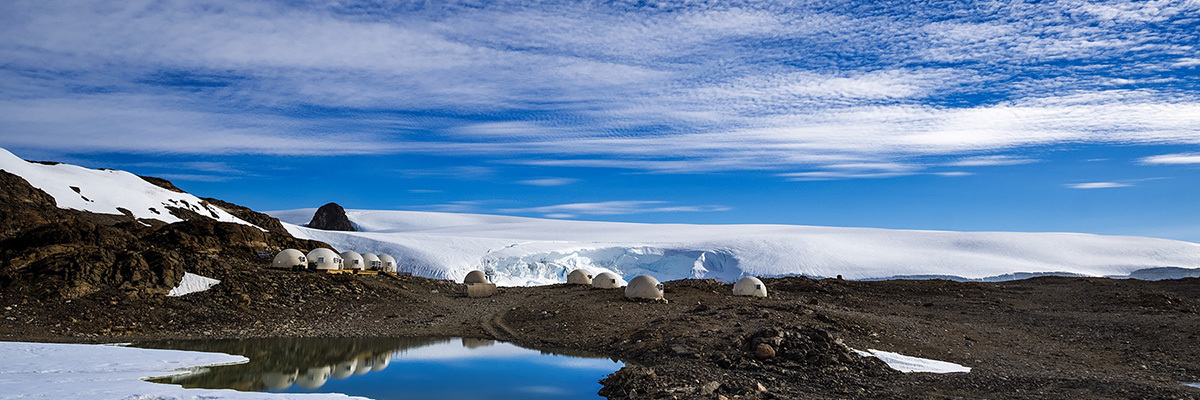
{"x":518,"y":251}
{"x":84,"y":372}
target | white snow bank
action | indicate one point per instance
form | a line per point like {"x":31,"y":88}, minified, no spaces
{"x":107,"y":191}
{"x":905,"y":363}
{"x":83,"y":372}
{"x":192,"y":283}
{"x":517,"y":251}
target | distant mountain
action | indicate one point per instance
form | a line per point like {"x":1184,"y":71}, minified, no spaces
{"x":529,"y":251}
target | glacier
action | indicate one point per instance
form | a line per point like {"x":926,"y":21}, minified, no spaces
{"x":519,"y":251}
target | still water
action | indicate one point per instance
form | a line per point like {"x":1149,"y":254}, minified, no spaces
{"x":394,"y":368}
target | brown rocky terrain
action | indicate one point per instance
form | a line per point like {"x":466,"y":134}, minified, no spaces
{"x":78,"y":277}
{"x":52,"y":253}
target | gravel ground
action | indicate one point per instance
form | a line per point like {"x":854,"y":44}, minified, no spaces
{"x":1036,"y":338}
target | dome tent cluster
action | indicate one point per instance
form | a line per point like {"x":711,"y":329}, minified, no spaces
{"x":323,"y":259}
{"x":645,"y":287}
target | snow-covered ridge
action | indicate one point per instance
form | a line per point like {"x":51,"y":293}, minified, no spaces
{"x":108,"y":191}
{"x":517,"y":251}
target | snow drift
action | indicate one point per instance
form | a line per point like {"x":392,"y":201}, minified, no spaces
{"x":517,"y":251}
{"x":192,"y":283}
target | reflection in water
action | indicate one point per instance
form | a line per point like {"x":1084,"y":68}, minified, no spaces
{"x":427,"y":367}
{"x":276,"y":364}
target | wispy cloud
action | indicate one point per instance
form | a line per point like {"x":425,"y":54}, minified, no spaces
{"x":987,"y":161}
{"x":1173,"y":159}
{"x":800,"y":90}
{"x":1097,"y":185}
{"x":196,"y":177}
{"x":548,"y":181}
{"x":465,"y":206}
{"x":622,"y":207}
{"x":456,"y":172}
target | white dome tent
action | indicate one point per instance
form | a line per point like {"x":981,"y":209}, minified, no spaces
{"x":324,"y":259}
{"x":352,"y":260}
{"x":644,"y":287}
{"x":476,"y":276}
{"x":607,"y":280}
{"x":371,"y":261}
{"x":478,"y":284}
{"x":388,"y":264}
{"x":750,"y":286}
{"x":289,"y":259}
{"x":579,"y":277}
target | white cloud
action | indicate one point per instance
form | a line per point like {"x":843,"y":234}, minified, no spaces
{"x":549,"y":181}
{"x":1186,"y":62}
{"x":620,"y":207}
{"x":993,"y":160}
{"x":196,"y":177}
{"x":1173,"y":159}
{"x":1097,"y":185}
{"x":469,"y":172}
{"x":680,"y":89}
{"x":454,"y":207}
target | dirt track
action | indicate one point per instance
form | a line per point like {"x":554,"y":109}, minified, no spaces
{"x":1038,"y":338}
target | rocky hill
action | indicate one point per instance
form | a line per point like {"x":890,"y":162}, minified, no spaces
{"x":51,"y":252}
{"x":331,"y":217}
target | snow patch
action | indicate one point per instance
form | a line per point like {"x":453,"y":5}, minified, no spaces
{"x":85,"y":372}
{"x":109,"y":191}
{"x":518,"y":251}
{"x":1193,"y":384}
{"x":192,"y":283}
{"x":906,"y":364}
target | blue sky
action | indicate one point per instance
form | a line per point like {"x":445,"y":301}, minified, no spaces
{"x":1028,"y":116}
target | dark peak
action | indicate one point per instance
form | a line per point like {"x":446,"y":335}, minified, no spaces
{"x":331,"y":217}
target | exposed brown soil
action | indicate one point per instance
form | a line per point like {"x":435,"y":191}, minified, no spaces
{"x":1037,"y":338}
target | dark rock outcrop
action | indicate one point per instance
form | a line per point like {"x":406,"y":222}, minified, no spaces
{"x":246,"y":214}
{"x":331,"y":217}
{"x":162,"y":183}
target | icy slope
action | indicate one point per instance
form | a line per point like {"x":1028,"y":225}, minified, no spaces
{"x":530,"y":251}
{"x":108,"y":191}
